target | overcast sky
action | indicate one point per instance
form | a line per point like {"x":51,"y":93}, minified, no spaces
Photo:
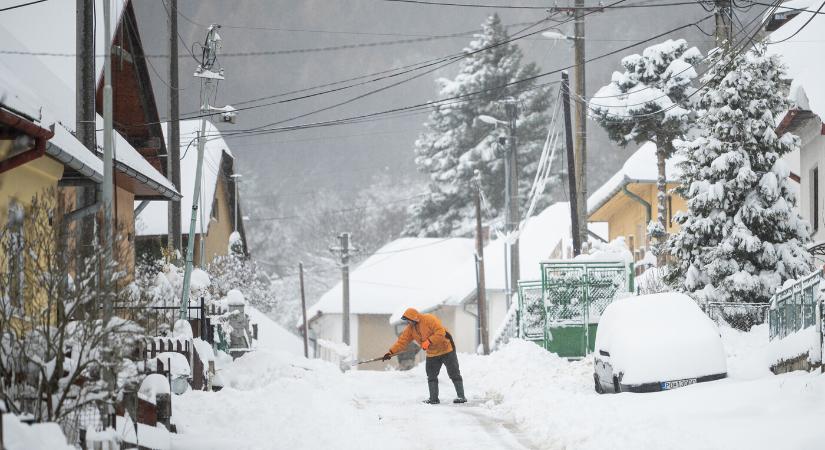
{"x":345,"y":156}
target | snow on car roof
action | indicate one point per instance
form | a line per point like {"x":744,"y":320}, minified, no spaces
{"x":801,"y":52}
{"x":639,"y":168}
{"x":407,"y":272}
{"x":153,"y":220}
{"x":659,"y":337}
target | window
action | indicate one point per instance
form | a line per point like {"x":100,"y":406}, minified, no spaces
{"x":815,"y":198}
{"x":214,"y":214}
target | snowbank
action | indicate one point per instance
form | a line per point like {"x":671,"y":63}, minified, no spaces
{"x":38,"y":436}
{"x":660,"y":337}
{"x":553,"y":402}
{"x":794,"y":345}
{"x":273,"y":336}
{"x":272,"y":399}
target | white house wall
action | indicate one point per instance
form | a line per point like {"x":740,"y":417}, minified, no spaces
{"x":812,"y":156}
{"x":329,"y":327}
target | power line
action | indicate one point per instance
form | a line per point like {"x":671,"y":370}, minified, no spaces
{"x":464,"y":96}
{"x":9,"y":8}
{"x":532,"y":7}
{"x":337,"y":211}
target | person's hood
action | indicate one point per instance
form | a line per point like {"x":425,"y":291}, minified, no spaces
{"x":412,"y":314}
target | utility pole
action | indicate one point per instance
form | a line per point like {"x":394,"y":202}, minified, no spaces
{"x":343,"y":250}
{"x":581,"y":121}
{"x":724,"y":24}
{"x":304,"y":310}
{"x":481,"y":287}
{"x":173,"y":146}
{"x":210,"y":82}
{"x":571,"y":165}
{"x":86,"y":84}
{"x":109,"y":375}
{"x":513,"y":218}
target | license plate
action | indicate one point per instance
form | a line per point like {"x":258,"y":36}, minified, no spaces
{"x":667,"y":385}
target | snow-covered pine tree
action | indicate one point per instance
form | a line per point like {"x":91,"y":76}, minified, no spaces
{"x":456,"y":144}
{"x":740,"y":238}
{"x":649,"y":101}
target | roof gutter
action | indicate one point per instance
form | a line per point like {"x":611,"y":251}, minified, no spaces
{"x":640,"y":201}
{"x":70,"y":161}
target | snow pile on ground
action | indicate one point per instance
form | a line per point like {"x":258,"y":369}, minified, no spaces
{"x":272,"y":399}
{"x":746,"y":351}
{"x":273,"y":336}
{"x":794,"y":345}
{"x":39,"y":436}
{"x":554,"y":403}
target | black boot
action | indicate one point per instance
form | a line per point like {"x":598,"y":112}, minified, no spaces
{"x":459,"y":392}
{"x":433,"y":386}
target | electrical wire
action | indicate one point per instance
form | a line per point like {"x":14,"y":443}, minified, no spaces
{"x":9,"y":8}
{"x":531,"y":7}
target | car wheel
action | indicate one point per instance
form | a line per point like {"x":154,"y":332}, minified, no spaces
{"x":617,"y":388}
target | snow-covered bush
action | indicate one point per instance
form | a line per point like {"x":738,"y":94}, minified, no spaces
{"x":59,"y":355}
{"x":239,"y":271}
{"x":455,"y":144}
{"x":650,"y":101}
{"x":741,"y":237}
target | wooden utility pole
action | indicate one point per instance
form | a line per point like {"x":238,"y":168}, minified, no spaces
{"x":481,"y":286}
{"x":512,"y":213}
{"x":724,"y":24}
{"x":343,"y":250}
{"x":85,"y":116}
{"x":571,"y":165}
{"x":304,"y":310}
{"x":581,"y":121}
{"x":173,"y":146}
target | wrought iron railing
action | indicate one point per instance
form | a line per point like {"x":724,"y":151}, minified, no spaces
{"x":794,"y":307}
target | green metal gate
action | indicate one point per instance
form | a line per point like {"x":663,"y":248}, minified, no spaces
{"x":562,"y":311}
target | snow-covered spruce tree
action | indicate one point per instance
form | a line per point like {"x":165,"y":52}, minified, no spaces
{"x":740,"y":238}
{"x":456,"y":144}
{"x":649,"y":101}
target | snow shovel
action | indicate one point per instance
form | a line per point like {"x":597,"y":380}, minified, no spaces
{"x":357,"y":363}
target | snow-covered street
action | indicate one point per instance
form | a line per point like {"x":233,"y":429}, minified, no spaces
{"x":520,"y":397}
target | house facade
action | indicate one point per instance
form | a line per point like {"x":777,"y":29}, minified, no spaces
{"x":407,"y":272}
{"x":797,"y":45}
{"x":138,"y":140}
{"x":218,"y":208}
{"x":628,"y":201}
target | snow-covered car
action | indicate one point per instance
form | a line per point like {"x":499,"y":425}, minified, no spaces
{"x":656,"y":343}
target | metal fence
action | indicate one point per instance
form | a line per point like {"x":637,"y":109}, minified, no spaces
{"x":740,"y":316}
{"x":794,"y":308}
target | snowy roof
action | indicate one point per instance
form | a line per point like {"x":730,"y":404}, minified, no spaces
{"x":23,"y":98}
{"x":639,"y":168}
{"x":538,"y":239}
{"x":49,"y":27}
{"x":802,"y":53}
{"x":153,"y":220}
{"x":407,"y":272}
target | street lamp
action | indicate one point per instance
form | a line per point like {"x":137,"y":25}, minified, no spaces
{"x":557,"y":36}
{"x":511,"y":249}
{"x":235,"y":180}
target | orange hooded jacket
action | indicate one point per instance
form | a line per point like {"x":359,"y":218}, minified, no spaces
{"x":423,"y":327}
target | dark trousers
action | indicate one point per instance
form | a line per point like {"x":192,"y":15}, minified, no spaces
{"x":449,"y":360}
{"x":433,"y":367}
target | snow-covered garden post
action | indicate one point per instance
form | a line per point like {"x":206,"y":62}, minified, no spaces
{"x":741,"y":237}
{"x":649,"y":102}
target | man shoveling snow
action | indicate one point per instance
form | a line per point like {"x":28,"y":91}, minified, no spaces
{"x":431,"y":335}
